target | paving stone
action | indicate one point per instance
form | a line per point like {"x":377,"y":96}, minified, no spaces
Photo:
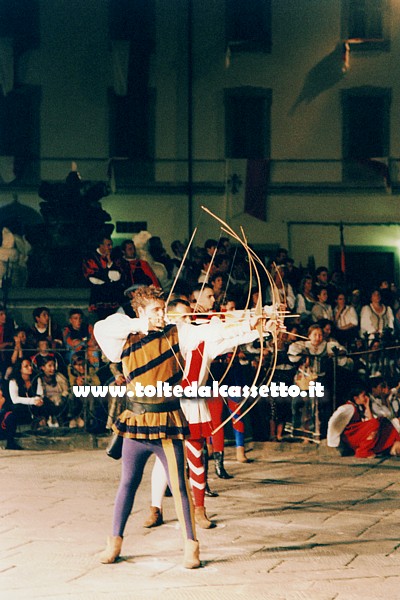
{"x":293,"y":525}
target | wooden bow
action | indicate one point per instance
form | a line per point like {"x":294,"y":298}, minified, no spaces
{"x":253,"y":258}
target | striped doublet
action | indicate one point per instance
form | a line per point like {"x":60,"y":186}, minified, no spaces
{"x":147,"y":359}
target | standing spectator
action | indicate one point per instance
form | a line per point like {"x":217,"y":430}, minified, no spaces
{"x":312,"y":358}
{"x":104,"y":277}
{"x":135,"y":270}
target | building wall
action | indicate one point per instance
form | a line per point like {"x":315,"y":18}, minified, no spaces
{"x":74,"y":69}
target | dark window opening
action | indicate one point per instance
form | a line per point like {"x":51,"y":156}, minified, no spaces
{"x":248,"y":25}
{"x":247,"y":124}
{"x":20,"y":130}
{"x":366,"y":126}
{"x":19,"y":19}
{"x":130,"y":226}
{"x":366,"y":19}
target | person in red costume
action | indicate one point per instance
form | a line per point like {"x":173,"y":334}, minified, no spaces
{"x":353,"y":428}
{"x":135,"y":270}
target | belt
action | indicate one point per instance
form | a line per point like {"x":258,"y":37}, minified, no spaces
{"x":140,"y":408}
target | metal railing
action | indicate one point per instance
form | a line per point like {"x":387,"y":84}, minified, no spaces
{"x":125,"y":173}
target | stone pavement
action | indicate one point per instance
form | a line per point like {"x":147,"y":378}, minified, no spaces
{"x":299,"y":523}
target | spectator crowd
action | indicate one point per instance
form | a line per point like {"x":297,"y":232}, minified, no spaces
{"x":335,"y":334}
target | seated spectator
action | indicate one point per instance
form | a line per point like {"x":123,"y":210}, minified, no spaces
{"x":44,"y":329}
{"x":56,"y":393}
{"x":178,"y":250}
{"x":224,"y":242}
{"x":228,"y":302}
{"x":20,"y":349}
{"x":104,"y":277}
{"x":81,"y":373}
{"x":285,"y":290}
{"x":356,"y":302}
{"x":345,"y":320}
{"x":218,"y":281}
{"x":159,"y":254}
{"x":26,"y":393}
{"x":78,"y":337}
{"x":321,"y":309}
{"x":387,"y":296}
{"x":206,"y":271}
{"x":305,"y":301}
{"x":6,"y":341}
{"x":115,"y":405}
{"x":42,"y":354}
{"x":354,"y":429}
{"x":222,"y":263}
{"x":380,"y":402}
{"x":369,"y":364}
{"x":135,"y":271}
{"x":281,"y":257}
{"x":8,"y":423}
{"x":293,"y":274}
{"x":376,"y":318}
{"x":326,"y":328}
{"x":322,"y":282}
{"x":210,"y":246}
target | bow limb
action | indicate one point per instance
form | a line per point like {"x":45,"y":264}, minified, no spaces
{"x":259,"y":328}
{"x":244,"y":312}
{"x":276,"y":301}
{"x":180,"y":267}
{"x":258,"y":311}
{"x":252,"y":258}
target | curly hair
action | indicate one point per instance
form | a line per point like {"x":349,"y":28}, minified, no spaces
{"x":144,"y":295}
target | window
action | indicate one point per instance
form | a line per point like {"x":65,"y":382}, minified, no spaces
{"x":132,"y":136}
{"x":247,"y":123}
{"x":248,"y":25}
{"x":19,"y":19}
{"x":20,"y":130}
{"x":132,"y":20}
{"x":130,"y":226}
{"x":132,"y":125}
{"x":366,"y":124}
{"x":365,"y":24}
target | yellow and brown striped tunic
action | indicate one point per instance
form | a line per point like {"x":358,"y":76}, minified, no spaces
{"x":147,"y":359}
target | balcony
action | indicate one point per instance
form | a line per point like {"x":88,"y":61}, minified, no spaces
{"x":170,"y":176}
